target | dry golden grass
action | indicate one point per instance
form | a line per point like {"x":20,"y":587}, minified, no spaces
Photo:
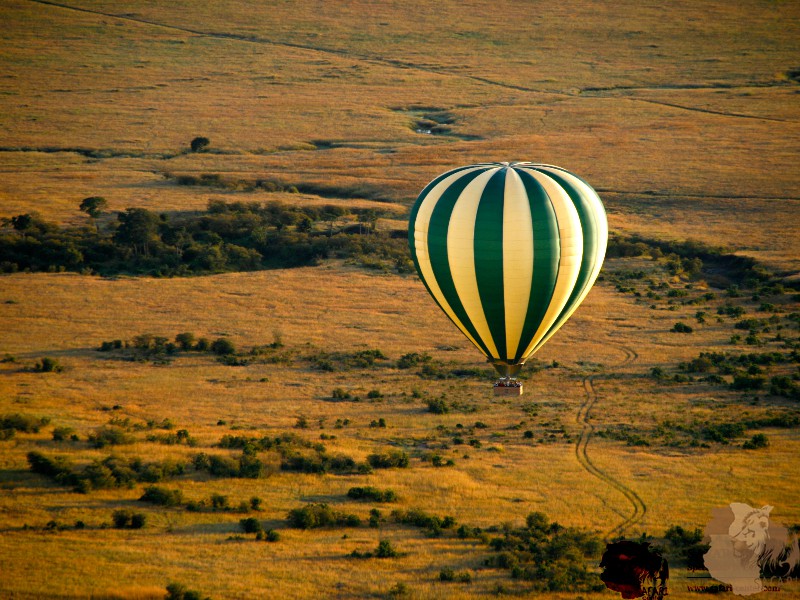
{"x":501,"y":482}
{"x":683,"y":117}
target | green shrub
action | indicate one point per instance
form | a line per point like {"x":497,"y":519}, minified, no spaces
{"x":127,"y":519}
{"x":250,"y":525}
{"x":48,"y":365}
{"x":438,"y":406}
{"x":185,"y":340}
{"x":23,"y":423}
{"x":388,"y":460}
{"x":340,"y":394}
{"x":412,"y":359}
{"x":371,"y":493}
{"x":759,"y":440}
{"x":109,"y":435}
{"x":177,"y":591}
{"x":748,"y":382}
{"x":60,"y":434}
{"x":219,"y":502}
{"x":681,"y":328}
{"x":317,"y":515}
{"x":223,"y":347}
{"x":385,"y":550}
{"x":161,"y":496}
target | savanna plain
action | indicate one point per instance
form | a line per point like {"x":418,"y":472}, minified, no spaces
{"x":221,"y":377}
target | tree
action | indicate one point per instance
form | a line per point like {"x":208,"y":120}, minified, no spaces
{"x":185,"y":340}
{"x":93,"y":206}
{"x":138,"y":229}
{"x":223,"y":346}
{"x":199,"y":144}
{"x":332,"y":213}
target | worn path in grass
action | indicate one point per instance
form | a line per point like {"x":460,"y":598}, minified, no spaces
{"x":583,"y":418}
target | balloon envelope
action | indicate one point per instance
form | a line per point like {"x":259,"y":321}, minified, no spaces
{"x":508,"y":251}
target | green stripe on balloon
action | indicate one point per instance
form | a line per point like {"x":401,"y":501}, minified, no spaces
{"x":546,"y":257}
{"x":590,"y":248}
{"x":437,"y":250}
{"x":489,"y":258}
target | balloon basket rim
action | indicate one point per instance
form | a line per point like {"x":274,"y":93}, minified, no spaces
{"x":507,"y":387}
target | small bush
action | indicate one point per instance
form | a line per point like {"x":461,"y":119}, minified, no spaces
{"x":161,"y":496}
{"x":199,"y":144}
{"x":371,"y":493}
{"x":388,"y":460}
{"x":110,"y":435}
{"x":340,"y":394}
{"x":250,"y":525}
{"x":385,"y":550}
{"x":681,"y":328}
{"x":185,"y":340}
{"x":61,"y":434}
{"x":412,"y":359}
{"x":313,"y":516}
{"x":48,"y":365}
{"x":438,"y":406}
{"x":759,"y":440}
{"x":177,"y":591}
{"x":223,"y":347}
{"x":127,"y":519}
{"x":22,"y":423}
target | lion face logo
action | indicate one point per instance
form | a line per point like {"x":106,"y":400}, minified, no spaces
{"x":743,"y":542}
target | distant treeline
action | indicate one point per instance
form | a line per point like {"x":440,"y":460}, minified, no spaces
{"x":692,"y":258}
{"x":234,"y":236}
{"x":241,"y":236}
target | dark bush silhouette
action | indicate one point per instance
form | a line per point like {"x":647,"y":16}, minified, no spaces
{"x":109,"y":435}
{"x":127,"y":519}
{"x":93,"y":206}
{"x":48,"y":365}
{"x":759,"y":440}
{"x":250,"y":525}
{"x":23,"y":423}
{"x":547,"y":555}
{"x":223,"y":346}
{"x":161,"y":496}
{"x":388,"y":460}
{"x":371,"y":493}
{"x":177,"y":591}
{"x":385,"y":549}
{"x":199,"y":144}
{"x":313,"y":516}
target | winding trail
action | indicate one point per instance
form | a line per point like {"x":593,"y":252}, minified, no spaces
{"x":583,"y":418}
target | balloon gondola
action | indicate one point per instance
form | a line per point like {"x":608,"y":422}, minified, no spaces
{"x":508,"y":251}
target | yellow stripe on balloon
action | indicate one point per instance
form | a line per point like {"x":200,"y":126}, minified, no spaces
{"x":571,"y":253}
{"x":517,"y":259}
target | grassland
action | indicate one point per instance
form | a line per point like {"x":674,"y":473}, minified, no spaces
{"x":685,"y":118}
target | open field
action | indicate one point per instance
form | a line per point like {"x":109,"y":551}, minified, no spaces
{"x":686,"y":120}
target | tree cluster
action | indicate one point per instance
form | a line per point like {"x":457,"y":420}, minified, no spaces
{"x":233,"y":236}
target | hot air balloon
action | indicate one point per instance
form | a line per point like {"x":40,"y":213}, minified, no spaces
{"x":508,"y":251}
